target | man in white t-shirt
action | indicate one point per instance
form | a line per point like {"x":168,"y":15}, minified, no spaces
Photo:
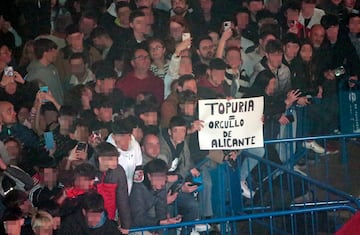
{"x":130,"y":152}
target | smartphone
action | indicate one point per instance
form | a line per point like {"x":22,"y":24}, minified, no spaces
{"x":9,"y":71}
{"x":44,"y":89}
{"x":81,"y":147}
{"x":227,"y":25}
{"x":49,"y":140}
{"x":176,"y":187}
{"x":186,"y":36}
{"x":195,"y":183}
{"x":290,"y":117}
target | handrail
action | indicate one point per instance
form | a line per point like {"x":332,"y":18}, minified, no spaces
{"x":247,"y":217}
{"x":337,"y":136}
{"x":308,"y":179}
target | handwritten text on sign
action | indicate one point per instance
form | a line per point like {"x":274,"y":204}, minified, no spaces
{"x":231,"y":124}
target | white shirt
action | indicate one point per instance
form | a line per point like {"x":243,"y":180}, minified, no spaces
{"x":129,"y":159}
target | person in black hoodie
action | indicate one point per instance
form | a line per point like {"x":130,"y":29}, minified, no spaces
{"x":90,"y":219}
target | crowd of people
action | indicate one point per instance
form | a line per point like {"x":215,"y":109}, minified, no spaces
{"x":98,"y":102}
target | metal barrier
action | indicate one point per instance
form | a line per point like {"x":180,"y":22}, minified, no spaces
{"x":285,"y":200}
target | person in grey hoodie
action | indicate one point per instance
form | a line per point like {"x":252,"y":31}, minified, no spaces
{"x":43,"y":70}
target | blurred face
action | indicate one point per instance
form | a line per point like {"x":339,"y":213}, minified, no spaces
{"x":354,"y":25}
{"x":292,"y":16}
{"x":349,"y":3}
{"x":151,"y":146}
{"x":149,"y":16}
{"x":123,"y":15}
{"x":50,"y":176}
{"x":138,"y":134}
{"x":291,"y":50}
{"x":269,"y":90}
{"x":82,"y":133}
{"x":83,"y":183}
{"x":177,"y":134}
{"x":336,"y":2}
{"x":149,"y":118}
{"x":190,"y":85}
{"x":233,"y":59}
{"x":242,"y":20}
{"x":104,"y":114}
{"x":86,"y":25}
{"x":76,"y":41}
{"x":122,"y":141}
{"x":206,"y":49}
{"x":317,"y":35}
{"x":157,"y":181}
{"x":307,"y":8}
{"x":45,"y":230}
{"x":264,"y":41}
{"x":7,"y":113}
{"x":14,"y":149}
{"x":107,"y":85}
{"x":306,"y":52}
{"x":141,"y":60}
{"x":11,"y":88}
{"x":139,"y":24}
{"x":206,"y":5}
{"x":179,"y":6}
{"x":188,"y":108}
{"x":65,"y":121}
{"x":157,"y":50}
{"x":274,"y":59}
{"x":144,"y":3}
{"x":51,"y":55}
{"x":26,"y":207}
{"x":92,"y":218}
{"x":216,"y":77}
{"x":255,"y":6}
{"x":77,"y":67}
{"x":86,"y":97}
{"x":108,"y":162}
{"x":5,"y":54}
{"x":332,"y":33}
{"x":13,"y":227}
{"x":176,"y":31}
{"x":23,"y":114}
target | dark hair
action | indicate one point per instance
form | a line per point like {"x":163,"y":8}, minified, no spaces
{"x":90,"y":15}
{"x":71,"y":29}
{"x":78,"y":55}
{"x":93,"y":202}
{"x":104,"y":71}
{"x":273,"y":46}
{"x":177,"y":121}
{"x":135,"y":14}
{"x":329,"y":20}
{"x":264,"y":33}
{"x":292,"y":5}
{"x":43,"y":45}
{"x":185,"y":78}
{"x":309,"y":1}
{"x":350,"y":16}
{"x":263,"y":14}
{"x":154,"y":166}
{"x":262,"y":80}
{"x":187,"y":96}
{"x":200,"y":39}
{"x":15,"y":198}
{"x":12,"y":214}
{"x":79,"y":122}
{"x":145,"y":107}
{"x":290,"y":38}
{"x":239,"y":11}
{"x":105,"y":149}
{"x":121,"y":4}
{"x":101,"y":101}
{"x":137,"y":48}
{"x":50,"y":207}
{"x":217,"y":64}
{"x":68,"y":110}
{"x":121,"y":127}
{"x":134,"y":122}
{"x":86,"y":170}
{"x":99,"y":32}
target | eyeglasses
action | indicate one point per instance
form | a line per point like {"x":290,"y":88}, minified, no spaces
{"x":156,"y":48}
{"x":142,"y":57}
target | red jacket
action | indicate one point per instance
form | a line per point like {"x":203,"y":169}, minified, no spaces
{"x":131,"y":86}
